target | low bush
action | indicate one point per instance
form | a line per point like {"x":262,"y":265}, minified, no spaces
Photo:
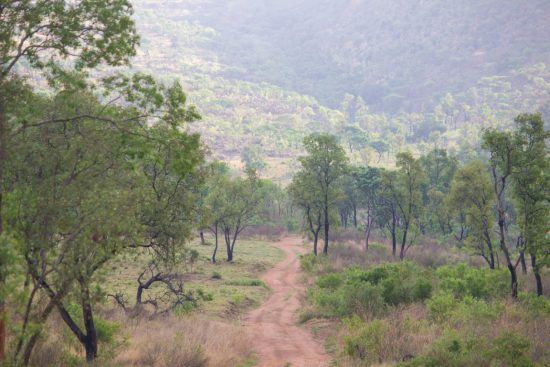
{"x":366,"y":341}
{"x":314,"y":264}
{"x":369,"y":292}
{"x":463,"y":280}
{"x":458,"y":350}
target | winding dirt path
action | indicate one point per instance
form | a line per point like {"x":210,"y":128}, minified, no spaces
{"x":278,"y":340}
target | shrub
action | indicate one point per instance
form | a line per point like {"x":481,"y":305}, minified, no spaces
{"x":463,"y":280}
{"x":365,"y":341}
{"x":510,"y":350}
{"x":367,"y":292}
{"x":537,"y":306}
{"x":404,"y":283}
{"x":330,"y":281}
{"x":458,"y":350}
{"x":440,"y":306}
{"x":216,"y":275}
{"x":453,"y":350}
{"x":354,"y":297}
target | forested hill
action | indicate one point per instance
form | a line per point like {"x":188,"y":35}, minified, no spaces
{"x":380,"y":74}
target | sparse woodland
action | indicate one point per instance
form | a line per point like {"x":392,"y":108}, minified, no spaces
{"x":139,"y":193}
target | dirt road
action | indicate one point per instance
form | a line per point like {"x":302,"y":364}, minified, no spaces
{"x":278,"y":340}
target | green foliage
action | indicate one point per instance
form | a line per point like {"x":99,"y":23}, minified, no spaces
{"x":536,"y":305}
{"x":313,"y":264}
{"x":357,"y":291}
{"x":462,"y":280}
{"x":365,"y":340}
{"x":455,"y":349}
{"x":441,"y":305}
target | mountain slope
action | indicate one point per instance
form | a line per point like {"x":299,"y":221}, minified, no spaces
{"x":405,"y":73}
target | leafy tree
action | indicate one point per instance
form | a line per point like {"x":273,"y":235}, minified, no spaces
{"x":241,"y":200}
{"x":348,"y":204}
{"x":471,"y":194}
{"x":408,"y":197}
{"x":387,"y":214}
{"x":439,"y":168}
{"x":368,"y":181}
{"x":326,"y":162}
{"x":40,"y":32}
{"x":73,"y":187}
{"x":502,"y":160}
{"x":169,"y":160}
{"x":531,"y":189}
{"x":213,"y":208}
{"x":306,"y":194}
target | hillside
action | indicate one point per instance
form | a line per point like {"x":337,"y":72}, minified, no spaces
{"x":382,"y":75}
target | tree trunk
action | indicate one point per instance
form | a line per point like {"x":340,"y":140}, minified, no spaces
{"x":367,"y":236}
{"x":355,"y":216}
{"x":315,"y":240}
{"x":325,"y":247}
{"x":229,"y":254}
{"x":403,"y":242}
{"x":522,"y":262}
{"x":90,"y":341}
{"x":201,"y":234}
{"x":536,"y":272}
{"x":504,"y":248}
{"x":215,"y":246}
{"x":393,"y":236}
{"x":3,"y":141}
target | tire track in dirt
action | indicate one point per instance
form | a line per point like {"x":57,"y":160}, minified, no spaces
{"x":277,"y":338}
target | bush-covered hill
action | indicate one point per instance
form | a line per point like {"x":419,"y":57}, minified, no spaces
{"x":383,"y":75}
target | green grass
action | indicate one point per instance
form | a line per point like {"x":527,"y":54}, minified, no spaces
{"x":229,"y":284}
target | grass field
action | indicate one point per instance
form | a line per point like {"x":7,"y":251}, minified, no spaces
{"x":232,"y":287}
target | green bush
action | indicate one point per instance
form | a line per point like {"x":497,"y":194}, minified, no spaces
{"x":463,"y":280}
{"x":314,"y":264}
{"x":458,"y":350}
{"x":357,"y":291}
{"x":350,"y":298}
{"x":365,"y":340}
{"x":537,"y":306}
{"x":330,"y":281}
{"x":510,"y":350}
{"x":403,"y":283}
{"x":216,"y":275}
{"x":453,"y":350}
{"x":441,"y":306}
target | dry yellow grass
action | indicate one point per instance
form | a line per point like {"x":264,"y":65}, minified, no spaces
{"x":192,"y":341}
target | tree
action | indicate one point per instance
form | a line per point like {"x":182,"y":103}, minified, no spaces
{"x":387,"y":214}
{"x":72,"y":212}
{"x":170,"y":162}
{"x":325,"y":162}
{"x":531,"y":185}
{"x":240,"y":202}
{"x":471,"y":195}
{"x":440,"y":169}
{"x":349,"y":201}
{"x":407,"y":192}
{"x":214,"y":207}
{"x":502,"y":159}
{"x":305,"y":193}
{"x":368,"y":183}
{"x":40,"y":32}
{"x":73,"y":188}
